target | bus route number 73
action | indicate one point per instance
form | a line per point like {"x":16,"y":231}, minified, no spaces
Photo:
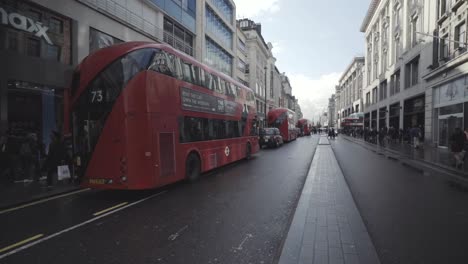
{"x":96,"y":96}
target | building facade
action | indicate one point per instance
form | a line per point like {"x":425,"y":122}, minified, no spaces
{"x":399,"y":52}
{"x":447,"y":80}
{"x":332,"y":111}
{"x":217,"y":34}
{"x":259,"y":62}
{"x":349,"y":90}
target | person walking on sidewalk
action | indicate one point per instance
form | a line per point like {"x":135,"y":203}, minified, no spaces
{"x":457,"y":142}
{"x":55,"y":157}
{"x":415,"y":134}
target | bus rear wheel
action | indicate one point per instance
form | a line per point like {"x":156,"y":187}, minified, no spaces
{"x":192,"y":167}
{"x":248,"y":152}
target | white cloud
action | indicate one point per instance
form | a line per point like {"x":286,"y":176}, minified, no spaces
{"x":313,"y":94}
{"x":254,"y":8}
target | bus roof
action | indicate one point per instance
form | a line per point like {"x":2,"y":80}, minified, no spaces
{"x":98,"y":60}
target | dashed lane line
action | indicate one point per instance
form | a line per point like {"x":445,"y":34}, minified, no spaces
{"x":43,"y":201}
{"x":21,"y":243}
{"x":19,"y":249}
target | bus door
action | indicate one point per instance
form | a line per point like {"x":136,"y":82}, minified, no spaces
{"x":164,"y":143}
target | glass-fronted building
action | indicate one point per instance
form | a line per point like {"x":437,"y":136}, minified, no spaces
{"x":220,"y":30}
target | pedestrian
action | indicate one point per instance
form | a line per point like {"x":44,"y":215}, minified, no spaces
{"x":457,"y":142}
{"x":415,"y":134}
{"x":56,"y":156}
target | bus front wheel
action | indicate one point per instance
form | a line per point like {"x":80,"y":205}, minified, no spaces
{"x":192,"y":167}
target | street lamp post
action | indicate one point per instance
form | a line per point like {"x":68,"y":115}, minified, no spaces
{"x":265,"y":112}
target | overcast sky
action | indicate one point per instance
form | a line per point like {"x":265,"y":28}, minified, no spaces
{"x":314,"y":41}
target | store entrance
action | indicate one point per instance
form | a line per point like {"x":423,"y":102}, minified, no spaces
{"x":447,"y":126}
{"x":34,"y":111}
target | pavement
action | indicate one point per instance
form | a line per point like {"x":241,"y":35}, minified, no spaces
{"x":26,"y":191}
{"x":327,"y":226}
{"x":435,"y":156}
{"x":414,"y":215}
{"x":426,"y":159}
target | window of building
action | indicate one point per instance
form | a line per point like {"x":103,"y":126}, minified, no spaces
{"x":55,"y":25}
{"x":35,"y":15}
{"x":190,"y":6}
{"x":384,"y":59}
{"x":460,"y":37}
{"x":241,"y":65}
{"x":414,"y":29}
{"x":178,"y":37}
{"x":397,"y":15}
{"x":33,"y":47}
{"x":383,"y":90}
{"x":395,"y":83}
{"x":53,"y":52}
{"x":376,"y":67}
{"x":218,"y":28}
{"x":217,"y":57}
{"x":225,"y":9}
{"x":374,"y":95}
{"x":444,"y":47}
{"x":412,"y":73}
{"x":241,"y":45}
{"x":397,"y":48}
{"x":442,"y":7}
{"x":12,"y":41}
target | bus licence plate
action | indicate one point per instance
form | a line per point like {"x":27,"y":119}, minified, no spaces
{"x":97,"y":181}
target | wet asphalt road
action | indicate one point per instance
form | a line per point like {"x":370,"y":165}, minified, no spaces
{"x":412,"y":217}
{"x":236,"y":214}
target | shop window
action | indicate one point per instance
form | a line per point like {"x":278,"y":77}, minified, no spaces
{"x":53,"y":52}
{"x":55,"y":25}
{"x":33,"y":47}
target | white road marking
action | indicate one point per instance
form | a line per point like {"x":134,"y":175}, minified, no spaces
{"x":43,"y":201}
{"x":176,"y":234}
{"x":76,"y":226}
{"x":243,"y":241}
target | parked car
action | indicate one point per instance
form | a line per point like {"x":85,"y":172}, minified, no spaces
{"x":270,"y":137}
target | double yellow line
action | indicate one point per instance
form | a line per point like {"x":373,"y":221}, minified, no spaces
{"x":110,"y":209}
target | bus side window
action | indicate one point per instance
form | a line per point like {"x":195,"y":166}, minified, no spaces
{"x":209,"y":81}
{"x":187,"y":71}
{"x":229,"y":90}
{"x":196,"y":74}
{"x":179,"y":74}
{"x":223,"y":85}
{"x":238,"y":91}
{"x":215,"y":83}
{"x":201,"y":80}
{"x":163,"y":62}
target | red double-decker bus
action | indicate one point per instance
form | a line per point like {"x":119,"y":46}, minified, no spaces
{"x":144,"y":115}
{"x":283,"y":119}
{"x":305,"y":126}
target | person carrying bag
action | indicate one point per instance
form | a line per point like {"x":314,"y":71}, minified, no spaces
{"x":56,"y":159}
